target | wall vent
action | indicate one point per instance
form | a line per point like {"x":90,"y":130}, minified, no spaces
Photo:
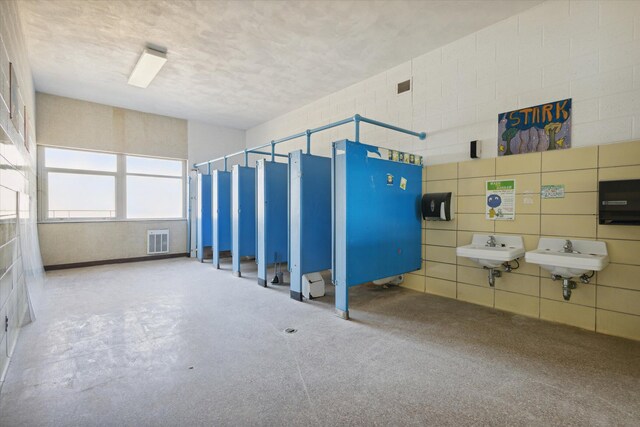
{"x":157,"y":242}
{"x":404,"y":86}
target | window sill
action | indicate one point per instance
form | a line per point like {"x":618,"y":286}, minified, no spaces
{"x":73,"y":221}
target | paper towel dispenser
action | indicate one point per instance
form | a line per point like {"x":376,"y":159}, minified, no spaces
{"x":436,"y":206}
{"x":619,"y":202}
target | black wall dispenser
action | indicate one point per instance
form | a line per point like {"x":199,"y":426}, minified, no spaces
{"x":619,"y":202}
{"x":436,"y":206}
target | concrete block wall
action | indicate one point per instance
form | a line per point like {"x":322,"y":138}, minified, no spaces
{"x":585,"y":50}
{"x":21,"y":273}
{"x":610,"y":303}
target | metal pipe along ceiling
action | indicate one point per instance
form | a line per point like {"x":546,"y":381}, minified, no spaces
{"x":356,"y":119}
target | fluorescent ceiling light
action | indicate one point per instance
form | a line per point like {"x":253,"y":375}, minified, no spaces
{"x":148,"y":66}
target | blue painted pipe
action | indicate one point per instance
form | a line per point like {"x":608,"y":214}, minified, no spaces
{"x":266,"y":153}
{"x":332,"y":125}
{"x":356,"y":119}
{"x":310,"y":132}
{"x":420,"y":135}
{"x":289,"y":138}
{"x":197,"y":165}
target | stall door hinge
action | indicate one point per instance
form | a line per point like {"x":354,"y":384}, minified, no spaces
{"x":6,"y":323}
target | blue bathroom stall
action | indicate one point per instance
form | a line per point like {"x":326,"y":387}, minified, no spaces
{"x":203,"y":215}
{"x":271,"y":211}
{"x":376,"y":222}
{"x":309,"y":217}
{"x":221,"y":208}
{"x":243,"y":215}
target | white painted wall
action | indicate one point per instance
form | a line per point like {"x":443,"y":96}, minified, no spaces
{"x":585,"y":50}
{"x":207,"y":141}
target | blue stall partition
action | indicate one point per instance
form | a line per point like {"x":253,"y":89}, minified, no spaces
{"x":309,"y":217}
{"x":221,"y":207}
{"x":271,"y":210}
{"x":376,"y":218}
{"x":243,"y":215}
{"x":204,"y":215}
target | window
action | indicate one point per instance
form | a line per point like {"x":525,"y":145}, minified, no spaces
{"x":93,"y":185}
{"x":154,"y":188}
{"x":85,"y":196}
{"x":71,"y":159}
{"x":80,"y":184}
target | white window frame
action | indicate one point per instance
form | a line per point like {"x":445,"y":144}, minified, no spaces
{"x":122,"y":165}
{"x":120,"y":183}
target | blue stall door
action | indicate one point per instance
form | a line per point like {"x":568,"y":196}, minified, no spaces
{"x":271,"y":211}
{"x":204,"y":215}
{"x":221,"y":207}
{"x":309,"y":217}
{"x":376,"y":218}
{"x":243,"y":215}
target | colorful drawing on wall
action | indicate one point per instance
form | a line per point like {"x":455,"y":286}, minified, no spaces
{"x":540,"y":128}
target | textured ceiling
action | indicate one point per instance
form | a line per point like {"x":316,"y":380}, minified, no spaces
{"x":236,"y":63}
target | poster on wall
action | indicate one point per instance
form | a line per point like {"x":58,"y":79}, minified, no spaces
{"x":540,"y":128}
{"x":501,"y":200}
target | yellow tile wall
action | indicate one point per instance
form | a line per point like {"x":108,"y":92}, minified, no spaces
{"x":610,"y":304}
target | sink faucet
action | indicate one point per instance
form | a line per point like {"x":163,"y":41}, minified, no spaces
{"x":568,"y":247}
{"x":491,"y":242}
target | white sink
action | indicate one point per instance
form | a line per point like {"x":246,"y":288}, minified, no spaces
{"x":582,"y":257}
{"x":507,"y":249}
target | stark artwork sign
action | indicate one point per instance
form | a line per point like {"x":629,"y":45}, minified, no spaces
{"x":540,"y":128}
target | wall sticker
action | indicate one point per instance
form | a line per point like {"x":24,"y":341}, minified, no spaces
{"x":389,"y":179}
{"x":399,"y":156}
{"x":552,"y":191}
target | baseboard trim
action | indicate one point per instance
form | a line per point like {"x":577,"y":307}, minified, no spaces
{"x":112,"y":261}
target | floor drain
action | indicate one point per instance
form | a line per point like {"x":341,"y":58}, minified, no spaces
{"x":291,"y":330}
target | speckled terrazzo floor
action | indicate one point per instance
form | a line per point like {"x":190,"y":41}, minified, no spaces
{"x":176,"y":342}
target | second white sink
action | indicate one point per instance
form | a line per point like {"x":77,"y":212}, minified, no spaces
{"x":507,"y":248}
{"x":561,"y":260}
